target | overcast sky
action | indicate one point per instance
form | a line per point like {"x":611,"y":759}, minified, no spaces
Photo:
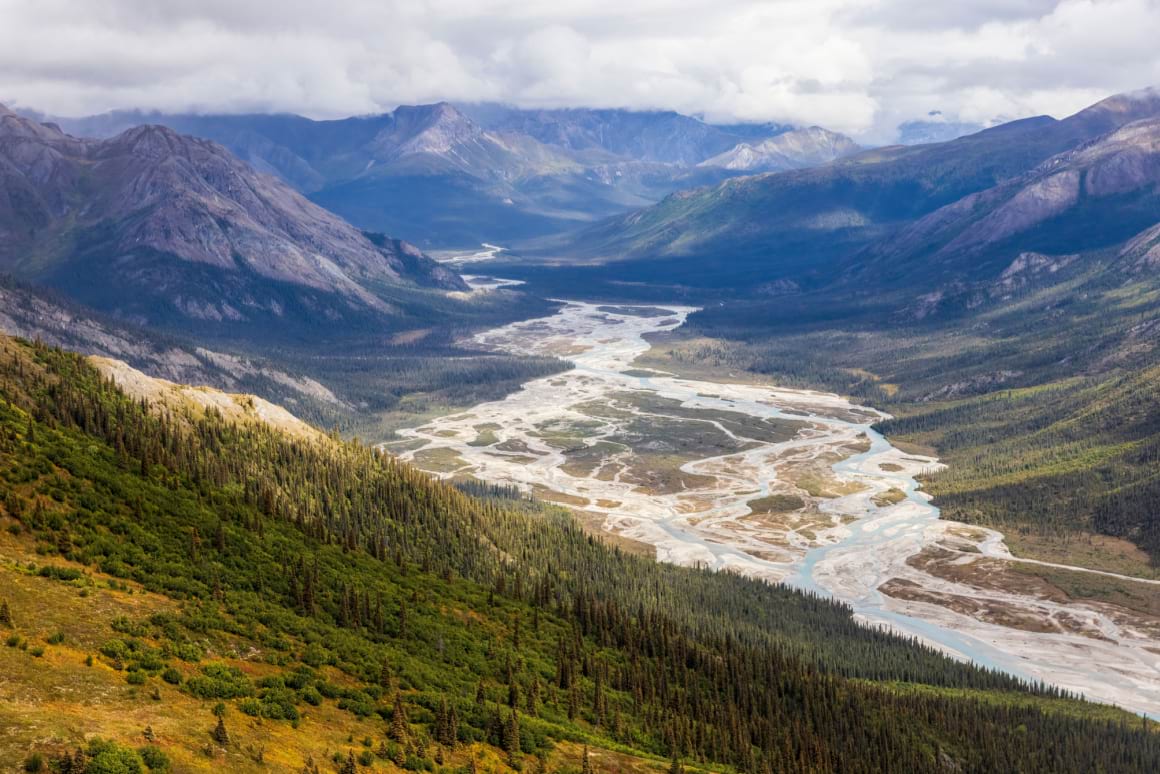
{"x":858,"y":66}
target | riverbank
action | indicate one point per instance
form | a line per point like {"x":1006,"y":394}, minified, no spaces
{"x":785,"y":485}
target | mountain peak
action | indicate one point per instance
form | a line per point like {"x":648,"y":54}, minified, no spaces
{"x":794,"y":149}
{"x":417,"y":129}
{"x":1117,"y":110}
{"x":184,"y":229}
{"x":152,"y":141}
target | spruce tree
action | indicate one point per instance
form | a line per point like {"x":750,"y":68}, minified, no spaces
{"x":399,"y":731}
{"x":5,"y":614}
{"x":511,"y":734}
{"x":452,"y":728}
{"x":220,"y":735}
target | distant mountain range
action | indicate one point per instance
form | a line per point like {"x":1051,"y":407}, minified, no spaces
{"x":971,"y":205}
{"x":795,"y":149}
{"x":662,"y":137}
{"x":455,"y":175}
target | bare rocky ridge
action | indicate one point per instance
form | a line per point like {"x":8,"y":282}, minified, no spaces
{"x":36,"y":316}
{"x":240,"y":408}
{"x":1111,"y":174}
{"x":795,"y":149}
{"x":660,"y":137}
{"x":152,"y":210}
{"x":1144,"y":249}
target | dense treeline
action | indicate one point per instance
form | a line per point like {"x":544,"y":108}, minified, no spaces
{"x":481,"y":619}
{"x":1082,"y":452}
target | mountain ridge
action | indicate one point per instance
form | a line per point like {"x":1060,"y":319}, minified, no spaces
{"x":794,"y":149}
{"x":800,"y":223}
{"x":457,"y":174}
{"x":150,"y":206}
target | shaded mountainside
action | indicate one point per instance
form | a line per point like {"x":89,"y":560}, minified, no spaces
{"x":450,"y":175}
{"x":357,"y":381}
{"x":1099,"y":195}
{"x":165,"y":564}
{"x":43,"y":316}
{"x":801,"y":224}
{"x":163,"y":228}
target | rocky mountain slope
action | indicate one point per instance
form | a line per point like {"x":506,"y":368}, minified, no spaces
{"x":456,"y":175}
{"x":1098,"y":195}
{"x":37,"y":315}
{"x":795,"y":149}
{"x":159,"y":227}
{"x":663,"y":137}
{"x":800,"y":223}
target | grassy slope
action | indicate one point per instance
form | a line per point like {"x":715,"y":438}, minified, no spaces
{"x":157,"y":571}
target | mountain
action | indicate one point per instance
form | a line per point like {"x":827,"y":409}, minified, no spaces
{"x":795,"y":149}
{"x":797,"y":224}
{"x":663,"y":137}
{"x":456,"y":175}
{"x":1098,"y":195}
{"x":923,"y":132}
{"x":158,"y":227}
{"x":36,"y":314}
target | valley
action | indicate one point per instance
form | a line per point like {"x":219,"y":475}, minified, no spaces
{"x":474,"y":389}
{"x":790,"y":486}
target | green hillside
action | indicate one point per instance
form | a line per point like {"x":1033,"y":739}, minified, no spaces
{"x":199,"y":595}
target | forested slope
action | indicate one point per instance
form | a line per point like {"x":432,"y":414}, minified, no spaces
{"x":338,"y":609}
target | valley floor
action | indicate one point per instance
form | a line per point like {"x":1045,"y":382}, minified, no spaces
{"x":718,"y":470}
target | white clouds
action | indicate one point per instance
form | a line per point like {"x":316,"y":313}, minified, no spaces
{"x":860,"y":66}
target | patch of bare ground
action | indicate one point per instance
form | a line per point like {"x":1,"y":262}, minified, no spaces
{"x":523,"y":459}
{"x":776,"y":503}
{"x":519,"y":446}
{"x":911,"y":447}
{"x":819,"y":481}
{"x":593,"y":523}
{"x":661,"y":474}
{"x":1129,"y":603}
{"x":552,"y":496}
{"x":440,"y":459}
{"x":989,"y":610}
{"x":982,"y":573}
